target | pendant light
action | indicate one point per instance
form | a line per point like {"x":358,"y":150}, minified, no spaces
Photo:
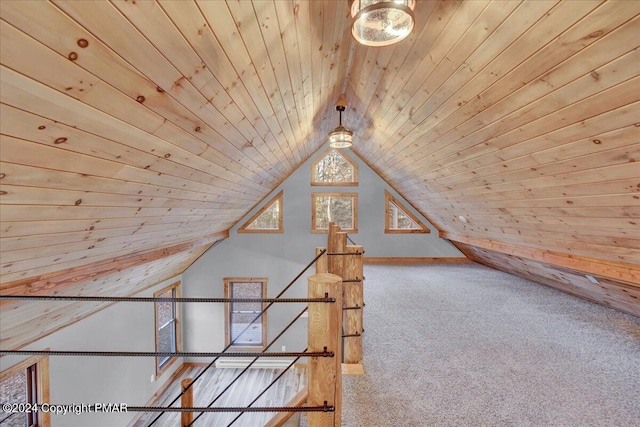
{"x":340,"y":137}
{"x":380,"y":22}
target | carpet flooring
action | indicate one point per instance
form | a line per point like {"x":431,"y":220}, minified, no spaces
{"x":465,"y":345}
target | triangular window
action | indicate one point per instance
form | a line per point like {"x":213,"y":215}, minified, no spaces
{"x":334,"y":168}
{"x":398,"y":219}
{"x":266,"y":220}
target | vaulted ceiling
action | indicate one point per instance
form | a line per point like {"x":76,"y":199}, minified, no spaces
{"x":136,"y":133}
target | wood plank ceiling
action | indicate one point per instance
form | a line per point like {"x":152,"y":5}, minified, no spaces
{"x":133,"y":127}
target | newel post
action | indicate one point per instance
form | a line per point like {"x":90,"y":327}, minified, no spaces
{"x":325,"y":333}
{"x":186,"y":401}
{"x":337,"y":244}
{"x":321,"y":263}
{"x":353,"y":299}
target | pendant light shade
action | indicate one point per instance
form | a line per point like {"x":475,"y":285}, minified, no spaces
{"x":340,"y":137}
{"x":382,"y":23}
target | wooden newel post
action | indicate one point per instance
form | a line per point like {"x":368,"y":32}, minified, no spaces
{"x":325,"y":333}
{"x":321,"y":263}
{"x":337,"y":243}
{"x":353,"y":303}
{"x":186,"y":402}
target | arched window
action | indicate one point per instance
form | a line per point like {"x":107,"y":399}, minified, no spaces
{"x":335,"y":167}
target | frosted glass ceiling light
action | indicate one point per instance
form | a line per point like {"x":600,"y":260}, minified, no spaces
{"x":340,"y":137}
{"x":381,"y":23}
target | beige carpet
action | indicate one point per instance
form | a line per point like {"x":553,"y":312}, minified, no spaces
{"x":465,"y":345}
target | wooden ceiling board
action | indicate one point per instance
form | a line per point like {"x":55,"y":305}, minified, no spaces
{"x":171,"y":65}
{"x":26,"y":322}
{"x":38,"y":177}
{"x":531,"y":130}
{"x":123,"y":77}
{"x":87,"y":245}
{"x":44,"y":284}
{"x":470,"y":102}
{"x":128,"y":127}
{"x":385,"y":67}
{"x":548,"y":150}
{"x":270,"y":73}
{"x":224,"y":28}
{"x":78,"y":254}
{"x":288,"y":62}
{"x":387,"y":121}
{"x":234,"y":97}
{"x":404,"y":70}
{"x":14,"y":85}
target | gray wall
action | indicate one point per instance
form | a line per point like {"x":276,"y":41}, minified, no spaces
{"x":280,"y":257}
{"x":119,"y":327}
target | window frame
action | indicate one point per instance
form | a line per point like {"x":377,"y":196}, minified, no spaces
{"x":227,"y":312}
{"x":278,"y":198}
{"x":177,"y":327}
{"x":353,"y":183}
{"x":388,"y":199}
{"x":41,"y":364}
{"x":314,"y":197}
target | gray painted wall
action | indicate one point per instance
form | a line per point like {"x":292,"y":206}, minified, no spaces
{"x":119,"y":327}
{"x":280,"y":257}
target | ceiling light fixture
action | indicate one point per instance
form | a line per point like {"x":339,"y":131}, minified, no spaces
{"x":380,"y":22}
{"x":340,"y":137}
